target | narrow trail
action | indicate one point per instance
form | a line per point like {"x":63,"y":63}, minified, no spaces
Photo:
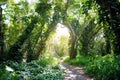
{"x":74,"y":73}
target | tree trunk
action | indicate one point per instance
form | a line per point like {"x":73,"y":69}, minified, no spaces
{"x":108,"y":46}
{"x":72,"y":50}
{"x":113,"y":19}
{"x":72,"y":53}
{"x":115,"y":25}
{"x":14,"y":51}
{"x":71,"y":42}
{"x":30,"y":53}
{"x":1,"y":36}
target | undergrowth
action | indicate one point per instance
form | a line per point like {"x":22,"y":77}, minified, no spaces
{"x":100,"y":67}
{"x":78,"y":61}
{"x":104,"y":67}
{"x":35,"y":70}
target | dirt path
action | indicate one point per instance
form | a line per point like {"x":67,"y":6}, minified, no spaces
{"x":74,"y":73}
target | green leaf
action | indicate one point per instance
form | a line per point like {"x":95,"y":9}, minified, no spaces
{"x":3,"y":0}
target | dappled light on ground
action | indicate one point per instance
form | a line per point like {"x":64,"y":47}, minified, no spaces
{"x":74,"y":73}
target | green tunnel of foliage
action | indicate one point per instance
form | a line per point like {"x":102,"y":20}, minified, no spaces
{"x":26,"y":28}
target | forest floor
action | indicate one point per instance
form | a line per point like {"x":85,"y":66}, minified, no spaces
{"x":74,"y":73}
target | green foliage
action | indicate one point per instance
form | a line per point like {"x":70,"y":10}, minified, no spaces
{"x":42,"y":8}
{"x":78,"y":61}
{"x":3,"y":0}
{"x":45,"y":61}
{"x":35,"y":70}
{"x":100,"y":67}
{"x":104,"y":67}
{"x":109,"y":12}
{"x":27,"y":28}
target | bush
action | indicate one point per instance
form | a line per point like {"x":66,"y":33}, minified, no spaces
{"x":34,"y":70}
{"x":78,"y":61}
{"x":104,"y":67}
{"x":45,"y":61}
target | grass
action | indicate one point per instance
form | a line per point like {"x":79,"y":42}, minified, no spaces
{"x":78,"y":61}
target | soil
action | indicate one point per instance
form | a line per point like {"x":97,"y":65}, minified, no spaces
{"x":74,"y":73}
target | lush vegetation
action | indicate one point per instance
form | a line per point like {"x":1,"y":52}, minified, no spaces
{"x":105,"y":68}
{"x":100,"y":67}
{"x":78,"y":61}
{"x":35,"y":70}
{"x":35,"y":35}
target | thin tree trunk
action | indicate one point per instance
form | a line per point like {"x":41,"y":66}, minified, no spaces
{"x":72,"y":53}
{"x":1,"y":36}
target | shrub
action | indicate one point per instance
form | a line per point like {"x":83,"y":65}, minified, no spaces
{"x":104,"y":67}
{"x":78,"y":61}
{"x":34,"y":70}
{"x":45,"y":61}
